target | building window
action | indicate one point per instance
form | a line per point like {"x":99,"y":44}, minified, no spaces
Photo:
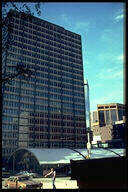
{"x":100,"y":107}
{"x":120,"y":113}
{"x":107,"y":117}
{"x":113,"y":116}
{"x":113,"y":106}
{"x":101,"y":118}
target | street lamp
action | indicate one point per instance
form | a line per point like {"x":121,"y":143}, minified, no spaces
{"x":87,"y":111}
{"x":13,"y":163}
{"x":88,"y":145}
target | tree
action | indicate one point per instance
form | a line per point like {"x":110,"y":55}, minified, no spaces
{"x":20,"y":7}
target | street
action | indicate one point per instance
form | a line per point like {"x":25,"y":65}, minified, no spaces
{"x":60,"y":183}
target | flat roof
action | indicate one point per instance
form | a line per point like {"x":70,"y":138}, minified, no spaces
{"x":42,"y":20}
{"x":107,"y":104}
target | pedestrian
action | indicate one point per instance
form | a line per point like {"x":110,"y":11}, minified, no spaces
{"x":53,"y":174}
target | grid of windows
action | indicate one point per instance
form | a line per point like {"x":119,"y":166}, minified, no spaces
{"x":55,"y":89}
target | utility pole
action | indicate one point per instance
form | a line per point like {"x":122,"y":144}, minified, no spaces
{"x":87,"y":110}
{"x":13,"y":163}
{"x":88,"y":145}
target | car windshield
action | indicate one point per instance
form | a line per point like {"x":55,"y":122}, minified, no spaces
{"x":23,"y":172}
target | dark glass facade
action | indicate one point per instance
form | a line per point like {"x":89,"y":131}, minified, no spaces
{"x":46,"y":110}
{"x":101,"y":118}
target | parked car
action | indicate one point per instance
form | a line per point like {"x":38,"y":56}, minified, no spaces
{"x":22,"y":182}
{"x":3,"y":169}
{"x":32,"y":175}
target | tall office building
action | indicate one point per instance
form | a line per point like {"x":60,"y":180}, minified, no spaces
{"x":47,"y":110}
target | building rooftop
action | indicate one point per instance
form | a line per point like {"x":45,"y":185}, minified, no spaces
{"x":110,"y":104}
{"x":39,"y":19}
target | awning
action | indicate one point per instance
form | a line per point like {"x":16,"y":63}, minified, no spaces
{"x":57,"y":156}
{"x":64,"y":155}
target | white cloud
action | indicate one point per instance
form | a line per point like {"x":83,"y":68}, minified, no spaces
{"x":119,"y":17}
{"x":110,"y":73}
{"x":120,"y":58}
{"x":81,"y":27}
{"x":104,"y":57}
{"x":77,"y":26}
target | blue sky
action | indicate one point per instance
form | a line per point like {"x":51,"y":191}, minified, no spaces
{"x":101,"y":26}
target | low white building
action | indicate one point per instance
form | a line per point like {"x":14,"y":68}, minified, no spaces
{"x":96,"y":138}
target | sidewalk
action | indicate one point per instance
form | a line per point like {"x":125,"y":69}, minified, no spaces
{"x":60,"y":183}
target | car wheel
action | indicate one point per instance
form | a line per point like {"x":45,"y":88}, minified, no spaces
{"x":7,"y":186}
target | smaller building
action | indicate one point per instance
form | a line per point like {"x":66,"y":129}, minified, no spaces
{"x":96,"y":134}
{"x":102,"y":134}
{"x":118,"y":136}
{"x":108,"y":121}
{"x":112,"y":134}
{"x":110,"y":113}
{"x":94,"y":116}
{"x":106,"y":133}
{"x":119,"y":131}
